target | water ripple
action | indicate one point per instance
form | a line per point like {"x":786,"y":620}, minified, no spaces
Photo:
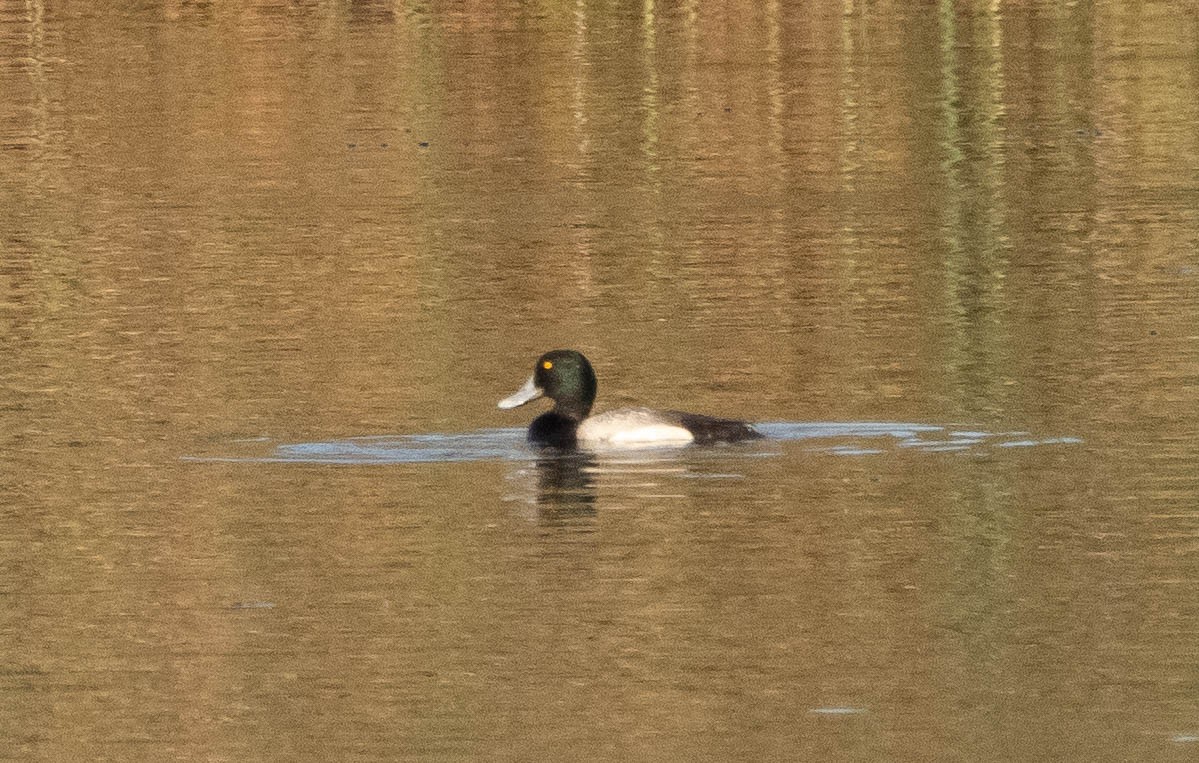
{"x":856,"y":439}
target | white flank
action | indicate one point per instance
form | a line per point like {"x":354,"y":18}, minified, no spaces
{"x":631,"y":428}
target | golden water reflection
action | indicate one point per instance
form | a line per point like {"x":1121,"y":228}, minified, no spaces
{"x":318,"y":220}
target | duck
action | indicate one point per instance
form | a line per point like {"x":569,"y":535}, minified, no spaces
{"x":567,"y":378}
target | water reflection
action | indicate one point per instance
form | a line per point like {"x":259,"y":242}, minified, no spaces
{"x":566,"y":487}
{"x":898,"y":231}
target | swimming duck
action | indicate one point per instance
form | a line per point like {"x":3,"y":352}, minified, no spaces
{"x":566,"y":377}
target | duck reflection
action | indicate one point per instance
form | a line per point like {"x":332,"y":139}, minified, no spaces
{"x":565,"y":486}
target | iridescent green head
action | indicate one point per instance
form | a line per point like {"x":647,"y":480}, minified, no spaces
{"x":563,"y":376}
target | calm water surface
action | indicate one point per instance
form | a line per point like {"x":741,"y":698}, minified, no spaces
{"x":267,"y":267}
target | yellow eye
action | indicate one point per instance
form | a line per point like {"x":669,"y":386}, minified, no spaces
{"x":547,"y":365}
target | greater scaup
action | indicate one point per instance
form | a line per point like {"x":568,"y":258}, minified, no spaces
{"x":566,"y":377}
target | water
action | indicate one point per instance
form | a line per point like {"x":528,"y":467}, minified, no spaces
{"x":266,"y":269}
{"x":848,"y":438}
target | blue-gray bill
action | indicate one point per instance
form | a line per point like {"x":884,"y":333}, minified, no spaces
{"x":523,"y":395}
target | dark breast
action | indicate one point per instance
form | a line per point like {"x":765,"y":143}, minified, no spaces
{"x":553,"y":430}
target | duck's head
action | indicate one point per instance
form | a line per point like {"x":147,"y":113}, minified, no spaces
{"x":563,"y":376}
